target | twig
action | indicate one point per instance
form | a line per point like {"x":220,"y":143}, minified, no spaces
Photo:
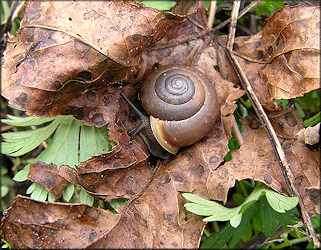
{"x":242,"y":13}
{"x":287,"y":173}
{"x":211,"y":15}
{"x":237,"y":133}
{"x":231,"y":33}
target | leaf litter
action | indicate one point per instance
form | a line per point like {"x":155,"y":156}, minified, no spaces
{"x":67,"y":62}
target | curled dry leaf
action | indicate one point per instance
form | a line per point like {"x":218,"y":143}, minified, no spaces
{"x":282,"y":61}
{"x":67,"y":53}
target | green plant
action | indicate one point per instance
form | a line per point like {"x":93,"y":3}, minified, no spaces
{"x":72,"y":143}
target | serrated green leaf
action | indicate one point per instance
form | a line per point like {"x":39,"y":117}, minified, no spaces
{"x":68,"y":192}
{"x":26,"y":121}
{"x":93,"y":141}
{"x":269,"y":224}
{"x":197,"y":199}
{"x":117,"y":202}
{"x":31,"y":188}
{"x":20,"y":143}
{"x":281,"y":203}
{"x":51,"y":198}
{"x":63,"y":147}
{"x":22,"y":175}
{"x":39,"y":193}
{"x":85,"y":198}
{"x":236,"y":220}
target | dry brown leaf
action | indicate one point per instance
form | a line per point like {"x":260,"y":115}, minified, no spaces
{"x":63,"y":48}
{"x":282,"y":61}
{"x":54,"y":225}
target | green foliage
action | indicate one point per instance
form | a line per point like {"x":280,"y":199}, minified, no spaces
{"x":216,"y":212}
{"x":312,"y":121}
{"x":160,"y":5}
{"x":264,"y":207}
{"x":5,"y":12}
{"x":267,"y":7}
{"x":6,"y":244}
{"x":72,"y":143}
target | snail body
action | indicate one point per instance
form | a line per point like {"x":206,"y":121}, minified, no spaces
{"x":182,"y":104}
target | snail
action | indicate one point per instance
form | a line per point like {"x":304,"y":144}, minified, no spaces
{"x":182,"y":105}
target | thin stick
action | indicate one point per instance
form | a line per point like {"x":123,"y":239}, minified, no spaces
{"x":237,"y":132}
{"x":288,"y":176}
{"x":211,"y":15}
{"x":232,"y":30}
{"x":242,"y":13}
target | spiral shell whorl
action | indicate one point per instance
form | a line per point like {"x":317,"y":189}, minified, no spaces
{"x":172,"y":93}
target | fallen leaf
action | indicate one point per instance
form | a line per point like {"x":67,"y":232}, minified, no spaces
{"x":281,"y":61}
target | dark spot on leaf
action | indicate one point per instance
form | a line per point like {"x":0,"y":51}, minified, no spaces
{"x":91,"y":96}
{"x":304,"y":165}
{"x":22,"y":97}
{"x":267,"y":179}
{"x":103,"y":64}
{"x":92,"y":236}
{"x":281,"y":125}
{"x":168,"y":217}
{"x":260,"y":55}
{"x":290,"y":119}
{"x":86,"y":75}
{"x":32,"y":63}
{"x":214,"y":159}
{"x":130,"y":181}
{"x":299,"y":179}
{"x":216,"y":67}
{"x":98,"y":120}
{"x":18,"y":81}
{"x":199,"y":171}
{"x":34,"y":17}
{"x":137,"y":37}
{"x":178,"y":178}
{"x":47,"y":181}
{"x":92,"y":212}
{"x":80,"y":47}
{"x":257,"y":44}
{"x":164,"y":52}
{"x":287,"y":146}
{"x":167,"y":180}
{"x":70,"y":19}
{"x":116,"y":165}
{"x":270,"y":51}
{"x":57,"y":85}
{"x":254,"y":124}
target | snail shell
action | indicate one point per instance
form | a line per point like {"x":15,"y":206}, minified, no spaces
{"x":182,"y":104}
